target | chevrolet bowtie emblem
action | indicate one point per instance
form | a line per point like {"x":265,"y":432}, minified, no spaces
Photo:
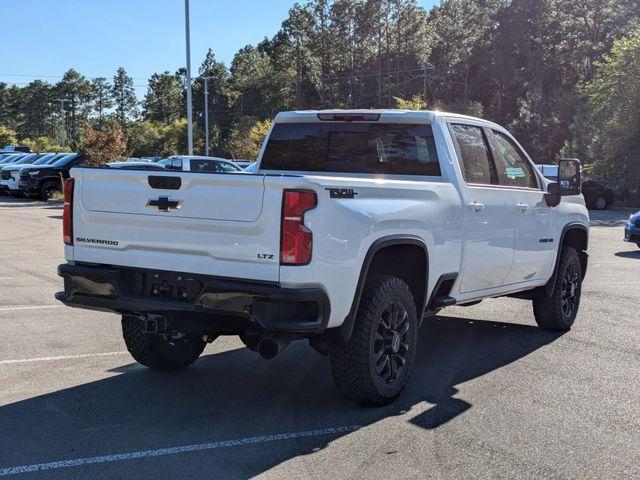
{"x":164,"y":203}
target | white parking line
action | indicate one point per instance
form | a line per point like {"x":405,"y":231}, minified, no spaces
{"x":61,"y":357}
{"x":10,"y":309}
{"x":117,"y":457}
{"x":6,"y":278}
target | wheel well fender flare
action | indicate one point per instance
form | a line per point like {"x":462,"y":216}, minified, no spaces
{"x":551,"y":284}
{"x":346,"y":329}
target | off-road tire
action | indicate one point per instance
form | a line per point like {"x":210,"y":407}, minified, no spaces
{"x":548,"y":311}
{"x":156,"y":351}
{"x":354,"y":365}
{"x":48,"y":187}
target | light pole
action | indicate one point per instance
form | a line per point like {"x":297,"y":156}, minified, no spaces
{"x":189,"y":106}
{"x":63,"y":136}
{"x":206,"y":114}
{"x":427,"y":68}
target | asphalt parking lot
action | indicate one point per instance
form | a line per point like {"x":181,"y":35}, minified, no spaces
{"x":491,"y":394}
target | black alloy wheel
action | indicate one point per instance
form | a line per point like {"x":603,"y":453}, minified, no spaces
{"x":391,"y":346}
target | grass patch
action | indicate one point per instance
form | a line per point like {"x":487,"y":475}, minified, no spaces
{"x":57,"y":197}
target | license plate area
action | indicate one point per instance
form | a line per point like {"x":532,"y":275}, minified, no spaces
{"x":171,"y":287}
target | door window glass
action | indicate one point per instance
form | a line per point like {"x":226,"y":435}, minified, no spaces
{"x":477,"y":164}
{"x":513,"y":168}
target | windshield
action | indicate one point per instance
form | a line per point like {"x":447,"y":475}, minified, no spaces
{"x":64,"y":160}
{"x":44,"y":159}
{"x":28,"y":159}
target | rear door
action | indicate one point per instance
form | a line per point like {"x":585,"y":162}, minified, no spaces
{"x":225,"y":225}
{"x":490,"y":220}
{"x":535,"y":242}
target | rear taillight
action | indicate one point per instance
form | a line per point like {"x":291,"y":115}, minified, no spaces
{"x":296,"y":239}
{"x":67,"y":212}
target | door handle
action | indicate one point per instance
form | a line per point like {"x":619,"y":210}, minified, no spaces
{"x":476,"y":206}
{"x":522,"y":207}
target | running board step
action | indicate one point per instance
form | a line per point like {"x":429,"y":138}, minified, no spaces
{"x":441,"y":302}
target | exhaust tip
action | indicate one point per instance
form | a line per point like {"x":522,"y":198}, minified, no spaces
{"x":268,"y":348}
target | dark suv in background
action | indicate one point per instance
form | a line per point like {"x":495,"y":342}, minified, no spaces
{"x":41,"y":181}
{"x":597,"y":195}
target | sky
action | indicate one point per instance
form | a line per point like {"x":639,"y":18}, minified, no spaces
{"x":44,"y":38}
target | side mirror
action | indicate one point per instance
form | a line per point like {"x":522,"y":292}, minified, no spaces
{"x":569,"y":177}
{"x":569,"y":182}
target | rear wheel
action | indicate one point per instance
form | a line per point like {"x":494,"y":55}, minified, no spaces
{"x":559,"y":311}
{"x":374,"y":366}
{"x":160,"y":352}
{"x":600,"y":203}
{"x":48,"y":188}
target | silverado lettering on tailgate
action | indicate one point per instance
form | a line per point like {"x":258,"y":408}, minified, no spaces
{"x":96,"y":241}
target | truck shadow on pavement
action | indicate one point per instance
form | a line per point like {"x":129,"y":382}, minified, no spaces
{"x":234,"y":394}
{"x":629,"y":254}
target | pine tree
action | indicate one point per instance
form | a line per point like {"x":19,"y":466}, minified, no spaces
{"x":163,"y":100}
{"x":124,"y":97}
{"x":76,"y":90}
{"x":102,"y":99}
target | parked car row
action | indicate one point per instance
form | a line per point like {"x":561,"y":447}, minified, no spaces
{"x":39,"y":175}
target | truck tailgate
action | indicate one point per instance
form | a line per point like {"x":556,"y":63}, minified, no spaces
{"x":226,"y":225}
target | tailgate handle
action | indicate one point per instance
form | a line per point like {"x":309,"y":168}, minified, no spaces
{"x":165,"y":183}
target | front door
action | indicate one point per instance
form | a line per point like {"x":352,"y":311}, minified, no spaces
{"x":535,"y":242}
{"x":490,"y":221}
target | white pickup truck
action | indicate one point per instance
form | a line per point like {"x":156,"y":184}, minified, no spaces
{"x":350,"y":228}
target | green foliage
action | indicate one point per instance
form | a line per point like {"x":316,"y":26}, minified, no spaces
{"x":102,"y":100}
{"x":7,"y":136}
{"x":156,"y":139}
{"x":466,"y":107}
{"x":45,"y":144}
{"x":163,"y":101}
{"x":614,"y":98}
{"x":76,"y":90}
{"x":246,"y":138}
{"x":124,"y":97}
{"x":414,"y":103}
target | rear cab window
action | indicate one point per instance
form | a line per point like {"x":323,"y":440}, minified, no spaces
{"x":357,"y":147}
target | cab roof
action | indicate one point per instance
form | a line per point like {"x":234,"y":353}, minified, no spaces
{"x":380,"y":115}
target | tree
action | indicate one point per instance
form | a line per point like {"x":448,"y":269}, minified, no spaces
{"x":246,"y":137}
{"x":124,"y":97}
{"x":44,"y":144}
{"x":219,"y":102}
{"x":148,"y":139}
{"x":102,"y":99}
{"x":76,"y":90}
{"x":103,"y":147}
{"x":614,"y":99}
{"x":414,"y":103}
{"x":163,"y":101}
{"x":7,"y":136}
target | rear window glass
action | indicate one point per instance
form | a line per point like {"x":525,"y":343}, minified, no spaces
{"x":203,"y":166}
{"x":352,"y":147}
